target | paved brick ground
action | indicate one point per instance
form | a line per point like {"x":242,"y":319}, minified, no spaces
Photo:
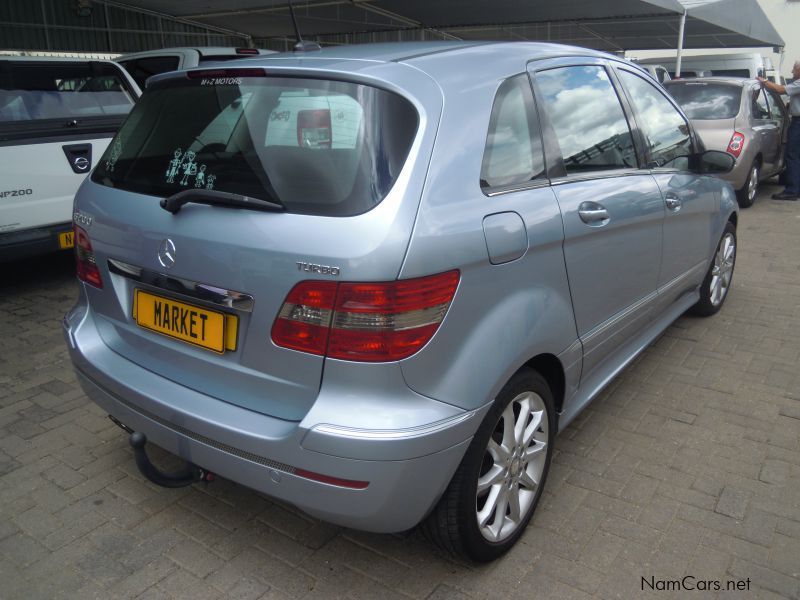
{"x":689,"y":464}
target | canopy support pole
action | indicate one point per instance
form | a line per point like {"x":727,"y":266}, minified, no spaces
{"x":680,"y":46}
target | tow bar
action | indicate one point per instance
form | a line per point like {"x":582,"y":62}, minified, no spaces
{"x":187,"y":476}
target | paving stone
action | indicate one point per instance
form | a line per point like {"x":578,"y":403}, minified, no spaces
{"x":732,"y":502}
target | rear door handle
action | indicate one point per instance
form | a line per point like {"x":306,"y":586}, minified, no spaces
{"x":593,"y":214}
{"x":673,"y":203}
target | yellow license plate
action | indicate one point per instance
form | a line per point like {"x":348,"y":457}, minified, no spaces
{"x":208,"y":329}
{"x":66,"y":240}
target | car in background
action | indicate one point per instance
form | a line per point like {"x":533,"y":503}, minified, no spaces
{"x":741,"y":117}
{"x":142,"y":65}
{"x":57,"y":116}
{"x":354,"y":279}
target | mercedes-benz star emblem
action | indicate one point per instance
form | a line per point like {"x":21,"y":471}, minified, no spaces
{"x":166,"y":254}
{"x":81,"y":163}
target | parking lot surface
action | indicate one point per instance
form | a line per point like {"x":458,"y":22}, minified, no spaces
{"x":685,"y":471}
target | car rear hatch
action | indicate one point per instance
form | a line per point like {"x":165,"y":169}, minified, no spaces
{"x":337,"y":160}
{"x":712,"y":107}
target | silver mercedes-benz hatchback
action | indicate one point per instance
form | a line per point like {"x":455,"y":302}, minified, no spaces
{"x":375,"y":281}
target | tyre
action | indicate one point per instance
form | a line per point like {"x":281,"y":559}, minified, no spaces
{"x":496,"y":488}
{"x":717,"y":282}
{"x":747,"y":195}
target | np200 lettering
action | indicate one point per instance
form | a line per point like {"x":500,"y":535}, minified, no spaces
{"x":12,"y":193}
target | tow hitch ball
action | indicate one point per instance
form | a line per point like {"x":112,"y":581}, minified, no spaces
{"x":187,"y":476}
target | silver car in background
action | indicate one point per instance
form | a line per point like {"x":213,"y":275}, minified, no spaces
{"x":741,"y":117}
{"x":375,"y":281}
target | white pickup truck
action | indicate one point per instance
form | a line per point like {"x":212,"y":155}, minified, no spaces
{"x":57,"y":116}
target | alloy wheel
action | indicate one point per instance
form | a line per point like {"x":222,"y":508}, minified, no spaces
{"x":752,"y":184}
{"x":722,"y":271}
{"x":512,"y":467}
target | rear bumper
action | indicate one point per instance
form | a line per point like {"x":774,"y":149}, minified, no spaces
{"x":407,"y":469}
{"x":31,"y":242}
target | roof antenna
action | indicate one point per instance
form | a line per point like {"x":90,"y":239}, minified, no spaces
{"x":301,"y":45}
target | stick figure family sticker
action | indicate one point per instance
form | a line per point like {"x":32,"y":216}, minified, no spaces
{"x":116,"y":150}
{"x":183,"y":165}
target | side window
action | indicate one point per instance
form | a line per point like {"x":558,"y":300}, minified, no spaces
{"x":588,"y":119}
{"x":513,"y":152}
{"x":775,"y":111}
{"x":665,"y":130}
{"x":760,"y":107}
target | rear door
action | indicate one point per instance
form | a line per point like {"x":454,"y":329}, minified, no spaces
{"x":766,"y":130}
{"x":689,"y":201}
{"x":612,"y":209}
{"x":778,"y":113}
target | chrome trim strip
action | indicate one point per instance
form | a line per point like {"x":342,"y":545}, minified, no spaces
{"x":592,"y":335}
{"x":686,"y":275}
{"x":193,"y":289}
{"x":393,"y":434}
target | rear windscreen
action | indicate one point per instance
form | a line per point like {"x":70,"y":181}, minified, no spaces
{"x":707,"y":101}
{"x":317,"y":146}
{"x":32,"y":91}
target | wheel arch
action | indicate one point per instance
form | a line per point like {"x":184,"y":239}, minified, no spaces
{"x":549,"y":367}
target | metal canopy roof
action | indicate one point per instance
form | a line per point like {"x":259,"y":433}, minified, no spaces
{"x":611,"y":25}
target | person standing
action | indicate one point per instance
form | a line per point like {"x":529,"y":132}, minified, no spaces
{"x":792,"y":190}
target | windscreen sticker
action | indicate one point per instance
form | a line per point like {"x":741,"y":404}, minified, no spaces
{"x":189,"y":166}
{"x":200,"y":178}
{"x":116,"y":150}
{"x":184,"y":165}
{"x":174,"y":165}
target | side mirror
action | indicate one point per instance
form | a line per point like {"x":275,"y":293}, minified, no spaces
{"x":713,"y":162}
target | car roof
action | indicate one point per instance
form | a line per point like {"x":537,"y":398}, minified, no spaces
{"x":740,"y":81}
{"x":443,"y":60}
{"x":407,"y":51}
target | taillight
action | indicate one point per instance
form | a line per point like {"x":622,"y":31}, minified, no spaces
{"x":84,"y":259}
{"x":365,"y":322}
{"x":736,"y":144}
{"x":314,"y":128}
{"x":305,"y":317}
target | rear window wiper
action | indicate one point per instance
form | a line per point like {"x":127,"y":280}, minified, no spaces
{"x":214,"y":198}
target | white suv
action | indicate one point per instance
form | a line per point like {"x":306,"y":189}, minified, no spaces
{"x":142,"y":65}
{"x":57,"y":116}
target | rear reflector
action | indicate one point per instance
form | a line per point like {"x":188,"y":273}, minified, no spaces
{"x":247,"y":51}
{"x":85,"y":262}
{"x":348,"y":483}
{"x":736,"y":144}
{"x":364,"y":322}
